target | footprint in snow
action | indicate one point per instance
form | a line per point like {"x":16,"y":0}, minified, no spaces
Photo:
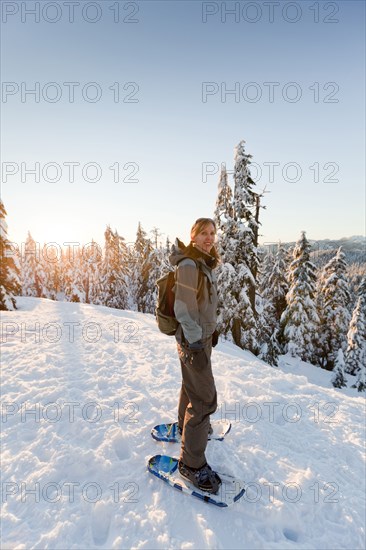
{"x":100,"y":522}
{"x":290,"y":534}
{"x":121,"y":446}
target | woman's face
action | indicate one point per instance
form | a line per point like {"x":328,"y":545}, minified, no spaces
{"x":206,"y":238}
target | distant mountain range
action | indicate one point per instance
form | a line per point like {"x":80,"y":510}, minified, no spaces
{"x":322,"y":250}
{"x":354,"y":249}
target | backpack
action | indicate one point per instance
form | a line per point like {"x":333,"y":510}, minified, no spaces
{"x":164,"y":311}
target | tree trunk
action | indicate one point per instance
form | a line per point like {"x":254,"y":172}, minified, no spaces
{"x":236,"y":332}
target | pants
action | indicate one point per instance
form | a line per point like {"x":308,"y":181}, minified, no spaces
{"x":198,"y":399}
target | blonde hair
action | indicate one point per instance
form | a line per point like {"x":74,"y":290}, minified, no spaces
{"x":199,"y":225}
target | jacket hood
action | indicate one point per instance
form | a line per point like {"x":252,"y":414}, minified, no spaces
{"x":180,"y":251}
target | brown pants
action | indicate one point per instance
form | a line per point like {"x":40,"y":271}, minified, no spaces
{"x":198,"y":399}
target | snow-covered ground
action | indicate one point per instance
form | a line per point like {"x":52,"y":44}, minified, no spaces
{"x":83,"y":385}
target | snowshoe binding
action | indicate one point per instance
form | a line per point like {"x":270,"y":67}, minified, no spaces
{"x":203,"y":478}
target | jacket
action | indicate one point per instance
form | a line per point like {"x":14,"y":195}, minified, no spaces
{"x":197,"y":318}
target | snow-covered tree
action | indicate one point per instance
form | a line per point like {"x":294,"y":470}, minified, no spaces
{"x":132,"y":279}
{"x":90,"y":272}
{"x":333,"y":297}
{"x":245,"y":207}
{"x":273,"y":289}
{"x":269,"y":342}
{"x":265,"y":311}
{"x":228,"y":302}
{"x":355,"y":357}
{"x":237,"y":236}
{"x":361,"y":293}
{"x":114,"y":271}
{"x":356,"y":350}
{"x":33,"y":276}
{"x":338,"y":379}
{"x":73,"y":277}
{"x":278,"y":286}
{"x":9,"y":268}
{"x":158,"y":263}
{"x":265,"y":272}
{"x":300,"y":321}
{"x":361,"y":378}
{"x":224,"y":218}
{"x":65,"y":273}
{"x":49,"y":267}
{"x":144,"y":287}
{"x":78,"y":274}
{"x":356,"y":276}
{"x":225,"y":224}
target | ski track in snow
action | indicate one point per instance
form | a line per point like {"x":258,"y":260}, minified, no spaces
{"x":84,"y":448}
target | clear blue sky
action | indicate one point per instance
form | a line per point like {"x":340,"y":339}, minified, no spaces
{"x":164,"y":138}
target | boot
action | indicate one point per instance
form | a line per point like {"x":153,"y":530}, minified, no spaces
{"x":203,"y":478}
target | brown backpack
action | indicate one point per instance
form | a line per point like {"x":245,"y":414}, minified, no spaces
{"x":164,"y":311}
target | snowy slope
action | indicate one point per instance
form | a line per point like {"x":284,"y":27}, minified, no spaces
{"x":83,"y":385}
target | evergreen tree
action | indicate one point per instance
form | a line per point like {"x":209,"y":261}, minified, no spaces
{"x":65,"y":273}
{"x":361,"y":293}
{"x":73,"y":289}
{"x":227,"y":301}
{"x":76,"y":277}
{"x":265,"y":312}
{"x":133,"y":278}
{"x":268,"y":331}
{"x":273,"y":289}
{"x":156,"y":234}
{"x":356,"y":336}
{"x":33,"y":277}
{"x":245,"y":206}
{"x":82,"y":281}
{"x":361,"y":377}
{"x":333,"y":297}
{"x":114,"y":272}
{"x":226,"y":275}
{"x":270,"y":349}
{"x":300,"y":320}
{"x":223,"y":217}
{"x":356,"y":276}
{"x":92,"y":260}
{"x":237,"y":245}
{"x":278,"y":284}
{"x":50,"y":269}
{"x":265,"y":272}
{"x":244,"y":324}
{"x":144,"y":286}
{"x":9,"y":268}
{"x":167,"y":249}
{"x":157,"y":261}
{"x":338,"y":379}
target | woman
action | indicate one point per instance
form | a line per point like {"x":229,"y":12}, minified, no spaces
{"x":195,"y":308}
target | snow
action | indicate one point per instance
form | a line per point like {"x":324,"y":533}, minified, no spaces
{"x":83,"y":385}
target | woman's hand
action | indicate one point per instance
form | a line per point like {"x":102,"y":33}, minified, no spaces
{"x":196,"y":346}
